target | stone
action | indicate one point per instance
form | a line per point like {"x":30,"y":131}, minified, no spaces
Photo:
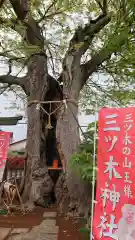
{"x":19,"y":230}
{"x":49,"y":215}
{"x":49,"y":222}
{"x":45,"y":231}
{"x":4,"y":233}
{"x":49,"y":229}
{"x":47,"y":237}
{"x":37,"y":237}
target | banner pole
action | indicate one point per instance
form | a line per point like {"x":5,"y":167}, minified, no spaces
{"x":93,"y":175}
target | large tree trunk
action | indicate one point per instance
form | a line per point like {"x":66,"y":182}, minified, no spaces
{"x":71,"y":192}
{"x":68,"y":135}
{"x":37,"y":181}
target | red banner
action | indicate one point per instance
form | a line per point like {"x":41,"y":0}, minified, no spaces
{"x":4,"y":144}
{"x":114,"y":216}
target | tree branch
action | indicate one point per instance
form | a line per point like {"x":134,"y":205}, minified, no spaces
{"x":13,"y":80}
{"x":33,"y":32}
{"x":117,"y":41}
{"x":83,"y":37}
{"x":9,"y":67}
{"x":47,"y":10}
{"x":20,"y":8}
{"x":3,"y":89}
{"x":103,"y":7}
{"x":91,"y":30}
{"x":1,"y":3}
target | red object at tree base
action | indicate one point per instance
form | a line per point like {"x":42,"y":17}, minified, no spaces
{"x":55,"y":164}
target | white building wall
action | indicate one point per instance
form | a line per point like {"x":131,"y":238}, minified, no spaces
{"x":17,"y":146}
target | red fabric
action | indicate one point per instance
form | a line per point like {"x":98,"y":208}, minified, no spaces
{"x":15,"y":162}
{"x":4,"y":144}
{"x":123,"y":154}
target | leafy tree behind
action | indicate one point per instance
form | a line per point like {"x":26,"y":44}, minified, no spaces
{"x":82,"y":161}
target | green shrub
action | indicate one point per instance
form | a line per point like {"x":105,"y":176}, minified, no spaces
{"x":82,"y":161}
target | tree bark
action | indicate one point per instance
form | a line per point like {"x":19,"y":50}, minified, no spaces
{"x":71,"y":192}
{"x":37,"y":180}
